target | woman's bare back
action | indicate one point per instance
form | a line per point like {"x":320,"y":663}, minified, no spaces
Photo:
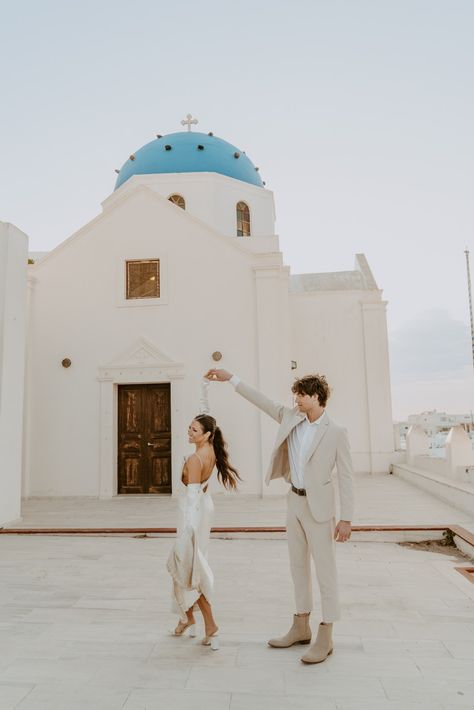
{"x":207,"y":461}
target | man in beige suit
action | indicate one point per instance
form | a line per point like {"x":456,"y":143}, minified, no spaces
{"x":308,"y":447}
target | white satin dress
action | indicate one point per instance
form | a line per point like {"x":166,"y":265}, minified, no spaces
{"x":187,"y":562}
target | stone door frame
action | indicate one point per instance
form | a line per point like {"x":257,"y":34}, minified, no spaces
{"x":143,"y":363}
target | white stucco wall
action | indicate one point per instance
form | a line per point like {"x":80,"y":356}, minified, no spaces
{"x":331,"y":336}
{"x":13,"y":268}
{"x":77,"y":311}
{"x":273,"y":351}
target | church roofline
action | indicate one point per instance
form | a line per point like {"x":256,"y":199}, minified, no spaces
{"x":125,"y":193}
{"x":362,"y":265}
{"x":138,"y":186}
{"x":360,"y":279}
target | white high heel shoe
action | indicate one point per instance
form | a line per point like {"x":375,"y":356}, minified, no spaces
{"x":191,"y":629}
{"x":212,"y":641}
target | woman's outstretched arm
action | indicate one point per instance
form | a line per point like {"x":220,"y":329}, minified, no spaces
{"x":204,"y":407}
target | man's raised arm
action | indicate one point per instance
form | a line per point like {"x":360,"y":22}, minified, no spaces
{"x":275,"y":410}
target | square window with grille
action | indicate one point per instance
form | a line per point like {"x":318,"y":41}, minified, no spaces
{"x":143,"y":278}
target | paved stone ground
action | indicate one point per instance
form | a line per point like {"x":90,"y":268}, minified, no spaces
{"x":381,"y":499}
{"x":84,"y":620}
{"x":84,"y":625}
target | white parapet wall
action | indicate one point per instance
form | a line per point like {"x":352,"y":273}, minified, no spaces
{"x":452,"y":478}
{"x":417,"y":444}
{"x":459,"y":453}
{"x":13,"y":280}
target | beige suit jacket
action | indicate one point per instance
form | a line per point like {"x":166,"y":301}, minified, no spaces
{"x":329,"y":450}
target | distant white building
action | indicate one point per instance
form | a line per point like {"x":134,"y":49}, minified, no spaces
{"x":182,"y":270}
{"x":433,"y":422}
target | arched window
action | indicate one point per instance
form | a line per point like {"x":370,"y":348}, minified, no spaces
{"x":243,"y":220}
{"x":178,"y":200}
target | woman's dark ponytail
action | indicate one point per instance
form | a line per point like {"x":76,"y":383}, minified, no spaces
{"x":226,"y":473}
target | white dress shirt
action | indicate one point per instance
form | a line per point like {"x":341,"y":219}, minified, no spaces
{"x":299,"y":441}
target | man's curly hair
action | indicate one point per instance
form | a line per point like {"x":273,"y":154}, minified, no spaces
{"x":313,"y":384}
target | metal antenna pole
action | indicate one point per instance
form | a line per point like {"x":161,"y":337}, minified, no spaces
{"x":468,"y":268}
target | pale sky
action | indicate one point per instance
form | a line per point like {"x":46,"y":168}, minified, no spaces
{"x":359,"y":113}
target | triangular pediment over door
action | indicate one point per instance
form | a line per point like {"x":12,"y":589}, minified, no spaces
{"x":142,"y":359}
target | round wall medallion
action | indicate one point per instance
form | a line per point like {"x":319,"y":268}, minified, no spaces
{"x":217,"y":356}
{"x":66,"y":362}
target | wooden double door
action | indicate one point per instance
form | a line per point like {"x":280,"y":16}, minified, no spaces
{"x":144,"y":439}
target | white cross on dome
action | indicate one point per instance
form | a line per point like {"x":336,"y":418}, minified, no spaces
{"x":189,"y":121}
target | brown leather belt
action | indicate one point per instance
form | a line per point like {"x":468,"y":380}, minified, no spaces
{"x":298,"y":491}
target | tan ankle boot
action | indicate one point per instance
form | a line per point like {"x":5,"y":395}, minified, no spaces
{"x":300,"y":632}
{"x":322,"y":647}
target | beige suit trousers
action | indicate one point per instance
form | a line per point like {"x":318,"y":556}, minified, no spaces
{"x":306,"y":539}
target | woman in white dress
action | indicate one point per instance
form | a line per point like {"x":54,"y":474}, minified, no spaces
{"x":193,"y":580}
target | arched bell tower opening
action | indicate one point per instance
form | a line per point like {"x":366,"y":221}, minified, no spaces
{"x":243,"y":219}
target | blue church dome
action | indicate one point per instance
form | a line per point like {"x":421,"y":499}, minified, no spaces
{"x":188,"y":152}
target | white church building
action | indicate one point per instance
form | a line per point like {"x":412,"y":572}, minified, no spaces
{"x":104,"y":340}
